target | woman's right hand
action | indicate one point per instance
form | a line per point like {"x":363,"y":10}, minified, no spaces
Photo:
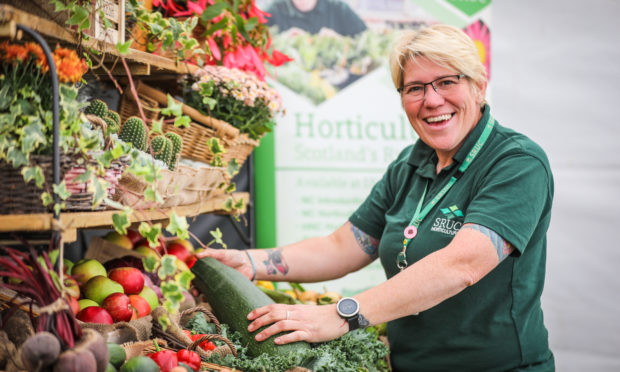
{"x":235,"y":258}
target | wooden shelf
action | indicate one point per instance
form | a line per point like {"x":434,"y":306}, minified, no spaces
{"x":140,"y":63}
{"x":72,"y":221}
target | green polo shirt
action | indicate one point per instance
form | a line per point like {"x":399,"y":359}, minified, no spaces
{"x":496,"y":324}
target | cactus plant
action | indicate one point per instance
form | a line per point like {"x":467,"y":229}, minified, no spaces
{"x":114,"y":116}
{"x":162,"y":149}
{"x":111,"y":124}
{"x":135,"y":132}
{"x":97,"y":107}
{"x":177,"y":145}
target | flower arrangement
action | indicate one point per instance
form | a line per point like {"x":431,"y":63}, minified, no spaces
{"x":234,"y":96}
{"x":234,"y":33}
{"x":26,"y":112}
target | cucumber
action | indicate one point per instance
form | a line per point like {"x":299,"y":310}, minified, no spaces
{"x":232,"y":296}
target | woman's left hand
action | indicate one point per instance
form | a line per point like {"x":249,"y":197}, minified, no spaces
{"x":311,"y":323}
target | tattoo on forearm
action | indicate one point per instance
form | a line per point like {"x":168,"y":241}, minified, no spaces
{"x":275,"y":262}
{"x":368,"y":244}
{"x":503,"y":248}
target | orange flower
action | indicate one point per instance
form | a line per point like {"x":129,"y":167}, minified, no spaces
{"x":36,"y":50}
{"x":69,"y":66}
{"x":14,"y":52}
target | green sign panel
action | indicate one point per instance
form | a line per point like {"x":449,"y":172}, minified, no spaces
{"x":470,"y":7}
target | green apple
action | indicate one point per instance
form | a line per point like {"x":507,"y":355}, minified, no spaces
{"x":53,"y":255}
{"x":85,"y":269}
{"x":85,"y":302}
{"x":118,"y":239}
{"x":147,"y":251}
{"x":150,"y":296}
{"x":99,"y":287}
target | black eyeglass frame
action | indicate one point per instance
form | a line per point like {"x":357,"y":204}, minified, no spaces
{"x":431,"y":83}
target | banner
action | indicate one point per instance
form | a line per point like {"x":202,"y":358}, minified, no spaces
{"x":344,"y":122}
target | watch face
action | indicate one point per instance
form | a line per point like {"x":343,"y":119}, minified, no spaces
{"x":348,"y":307}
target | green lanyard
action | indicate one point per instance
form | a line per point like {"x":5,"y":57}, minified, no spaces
{"x":420,"y":213}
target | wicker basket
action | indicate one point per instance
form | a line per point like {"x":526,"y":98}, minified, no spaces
{"x":237,"y":146}
{"x":17,"y":197}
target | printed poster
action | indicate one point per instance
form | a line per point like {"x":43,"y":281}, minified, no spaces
{"x":344,"y":123}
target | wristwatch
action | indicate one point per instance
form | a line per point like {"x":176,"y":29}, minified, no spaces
{"x":349,"y":309}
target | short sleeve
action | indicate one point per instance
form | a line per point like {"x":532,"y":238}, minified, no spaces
{"x":512,"y":198}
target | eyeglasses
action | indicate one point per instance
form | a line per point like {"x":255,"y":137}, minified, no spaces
{"x":443,"y":85}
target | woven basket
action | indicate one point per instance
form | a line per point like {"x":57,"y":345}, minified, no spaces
{"x":17,"y":197}
{"x":202,"y":128}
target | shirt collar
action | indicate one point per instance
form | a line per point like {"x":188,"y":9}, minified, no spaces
{"x":424,"y":157}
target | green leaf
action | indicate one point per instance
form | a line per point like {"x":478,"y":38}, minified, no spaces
{"x":213,"y":11}
{"x":16,"y":157}
{"x":151,"y":233}
{"x":34,"y":173}
{"x":217,"y":237}
{"x":150,"y":263}
{"x":123,"y":48}
{"x":215,"y":145}
{"x":164,"y":321}
{"x":182,"y":121}
{"x":120,"y":221}
{"x":168,"y":267}
{"x":231,"y":188}
{"x":47,"y":198}
{"x":99,"y":186}
{"x":84,"y":177}
{"x":178,"y":226}
{"x":185,"y":279}
{"x":239,"y":204}
{"x":156,"y":126}
{"x":174,"y":108}
{"x":33,"y":135}
{"x":233,"y":167}
{"x":61,"y":190}
{"x":59,"y":207}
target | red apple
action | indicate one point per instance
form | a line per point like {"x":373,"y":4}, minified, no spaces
{"x":134,"y":236}
{"x":72,"y":287}
{"x":95,"y":314}
{"x":141,"y":305}
{"x":186,"y":243}
{"x":179,"y":250}
{"x":73,"y":304}
{"x":119,"y":306}
{"x":129,"y":277}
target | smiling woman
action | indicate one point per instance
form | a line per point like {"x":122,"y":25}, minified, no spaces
{"x":463,"y":281}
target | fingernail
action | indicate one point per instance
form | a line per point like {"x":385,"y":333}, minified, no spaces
{"x":277,"y":340}
{"x":259,"y":337}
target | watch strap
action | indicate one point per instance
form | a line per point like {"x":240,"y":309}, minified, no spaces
{"x":357,"y":321}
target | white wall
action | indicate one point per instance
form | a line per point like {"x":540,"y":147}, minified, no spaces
{"x":556,"y":77}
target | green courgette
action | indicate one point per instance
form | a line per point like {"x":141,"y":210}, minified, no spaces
{"x":232,"y":296}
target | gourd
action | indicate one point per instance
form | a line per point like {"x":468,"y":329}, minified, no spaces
{"x":232,"y":296}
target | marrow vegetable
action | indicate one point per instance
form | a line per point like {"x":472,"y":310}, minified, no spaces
{"x":232,"y":296}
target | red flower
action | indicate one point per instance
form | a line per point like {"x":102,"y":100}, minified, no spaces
{"x":278,"y":58}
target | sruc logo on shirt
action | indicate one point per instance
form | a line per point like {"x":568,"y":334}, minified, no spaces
{"x":449,"y":224}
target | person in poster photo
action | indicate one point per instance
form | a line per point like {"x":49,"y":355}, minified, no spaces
{"x":314,"y":16}
{"x":458,"y":222}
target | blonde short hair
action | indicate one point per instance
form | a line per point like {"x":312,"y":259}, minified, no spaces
{"x":442,"y":44}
